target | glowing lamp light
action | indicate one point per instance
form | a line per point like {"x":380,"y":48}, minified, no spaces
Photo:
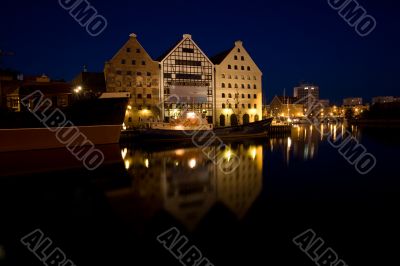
{"x":191,"y":115}
{"x":146,"y":163}
{"x":192,"y":163}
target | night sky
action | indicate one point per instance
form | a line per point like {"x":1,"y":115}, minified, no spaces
{"x":290,"y":40}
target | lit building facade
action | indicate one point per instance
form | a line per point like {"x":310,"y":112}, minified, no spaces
{"x":133,"y":70}
{"x":305,"y":91}
{"x":282,"y":106}
{"x":352,"y":101}
{"x":383,"y":99}
{"x":238,"y":87}
{"x":187,"y":81}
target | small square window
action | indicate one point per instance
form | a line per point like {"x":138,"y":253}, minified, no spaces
{"x":242,"y":68}
{"x":148,"y":96}
{"x":133,"y":62}
{"x":123,"y":61}
{"x":139,"y":96}
{"x":148,"y":74}
{"x":138,"y":51}
{"x":128,"y":50}
{"x":249,"y":105}
{"x":143,"y":63}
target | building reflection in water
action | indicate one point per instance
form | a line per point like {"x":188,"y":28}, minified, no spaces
{"x":186,"y":184}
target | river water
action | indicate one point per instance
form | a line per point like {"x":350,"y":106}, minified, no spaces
{"x":241,"y":205}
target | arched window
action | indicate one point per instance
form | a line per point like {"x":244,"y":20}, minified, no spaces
{"x":223,"y":85}
{"x":223,"y":95}
{"x":256,"y":118}
{"x":229,"y":67}
{"x":236,"y":86}
{"x":242,"y":67}
{"x":236,"y":57}
{"x":248,"y":86}
{"x":223,"y":76}
{"x":249,"y":96}
{"x":242,"y":96}
{"x":236,"y":77}
{"x":246,"y":119}
{"x":236,"y":67}
{"x":223,"y":106}
{"x":222,"y":120}
{"x":242,"y":86}
{"x":229,"y":77}
{"x":248,"y":68}
{"x":255,"y":86}
{"x":242,"y":58}
{"x":230,"y":86}
{"x":229,"y":95}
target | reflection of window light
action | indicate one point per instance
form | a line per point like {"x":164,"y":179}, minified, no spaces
{"x":146,"y":163}
{"x":192,"y":163}
{"x":127,"y":164}
{"x":124,"y":152}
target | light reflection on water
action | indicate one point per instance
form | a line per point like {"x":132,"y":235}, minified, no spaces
{"x":187,"y":184}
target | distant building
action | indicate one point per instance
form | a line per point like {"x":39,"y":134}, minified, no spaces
{"x":90,"y":82}
{"x":286,"y":107}
{"x":304,"y":91}
{"x":238,"y":87}
{"x":12,"y":91}
{"x":352,"y":101}
{"x":325,"y":103}
{"x":133,"y":70}
{"x":187,"y":82}
{"x":383,"y":99}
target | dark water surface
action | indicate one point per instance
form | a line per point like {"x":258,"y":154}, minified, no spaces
{"x":283,"y":186}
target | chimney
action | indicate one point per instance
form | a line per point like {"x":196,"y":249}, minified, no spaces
{"x":239,"y":43}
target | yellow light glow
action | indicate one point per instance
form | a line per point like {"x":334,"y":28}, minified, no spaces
{"x":180,"y":152}
{"x":127,"y":164}
{"x":192,"y":163}
{"x":191,"y":115}
{"x":228,"y":155}
{"x":129,"y":107}
{"x":146,"y":163}
{"x":123,"y":153}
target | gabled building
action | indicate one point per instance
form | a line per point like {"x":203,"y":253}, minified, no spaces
{"x":133,"y":70}
{"x":187,"y":82}
{"x":238,"y":87}
{"x":284,"y":106}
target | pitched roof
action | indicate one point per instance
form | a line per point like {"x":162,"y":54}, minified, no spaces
{"x":218,"y":58}
{"x":163,"y":55}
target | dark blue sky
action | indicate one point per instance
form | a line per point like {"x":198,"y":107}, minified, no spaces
{"x":290,"y":40}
